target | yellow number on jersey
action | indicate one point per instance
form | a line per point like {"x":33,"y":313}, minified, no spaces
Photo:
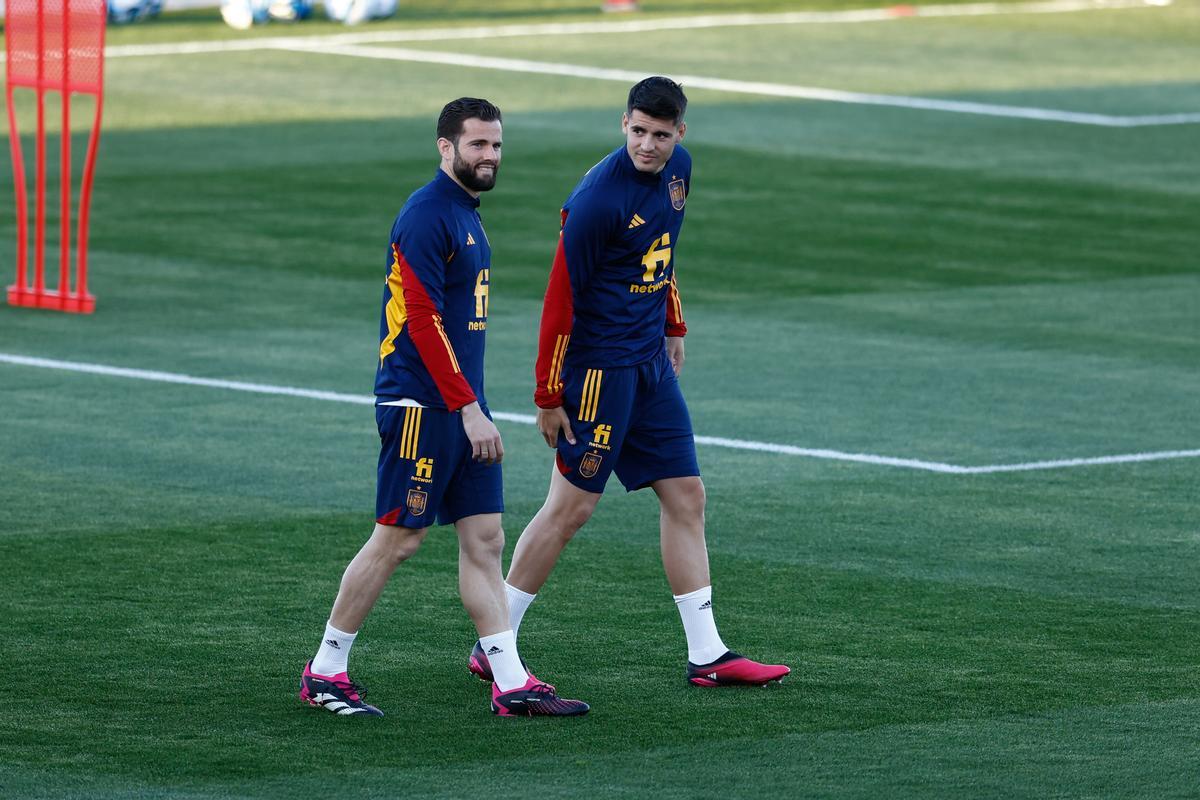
{"x":481,"y":294}
{"x":657,"y":257}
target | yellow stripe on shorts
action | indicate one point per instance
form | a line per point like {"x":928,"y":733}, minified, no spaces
{"x":411,"y":433}
{"x":590,"y":399}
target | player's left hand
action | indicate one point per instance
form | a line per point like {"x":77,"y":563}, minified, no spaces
{"x":552,"y":421}
{"x":481,"y":431}
{"x":675,"y":352}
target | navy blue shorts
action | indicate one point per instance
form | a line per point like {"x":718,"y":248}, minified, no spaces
{"x":631,"y":420}
{"x":426,"y":470}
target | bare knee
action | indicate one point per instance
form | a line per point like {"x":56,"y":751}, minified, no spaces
{"x":567,"y":508}
{"x":396,"y":544}
{"x":682,"y":498}
{"x":483,"y":542}
{"x":569,"y":519}
{"x":493,"y":539}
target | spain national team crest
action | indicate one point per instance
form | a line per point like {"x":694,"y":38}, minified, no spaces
{"x":416,"y":502}
{"x":678,"y":195}
{"x":590,"y":465}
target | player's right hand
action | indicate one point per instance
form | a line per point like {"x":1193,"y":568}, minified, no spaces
{"x":552,"y":420}
{"x":481,"y":431}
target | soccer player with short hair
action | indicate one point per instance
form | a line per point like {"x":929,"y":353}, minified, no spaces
{"x":608,"y":397}
{"x":440,"y":452}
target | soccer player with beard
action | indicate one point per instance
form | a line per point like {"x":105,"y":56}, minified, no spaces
{"x":440,"y":452}
{"x":610,"y":351}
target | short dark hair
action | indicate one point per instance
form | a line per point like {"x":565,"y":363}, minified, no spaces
{"x":661,"y":98}
{"x":456,"y":112}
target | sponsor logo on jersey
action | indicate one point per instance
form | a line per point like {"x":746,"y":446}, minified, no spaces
{"x":470,"y":240}
{"x":678,"y":195}
{"x":590,"y":465}
{"x":649,"y":288}
{"x":636,"y":221}
{"x":416,"y":502}
{"x":600,"y":435}
{"x":424,"y":470}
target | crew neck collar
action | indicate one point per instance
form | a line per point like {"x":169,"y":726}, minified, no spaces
{"x":451,"y":189}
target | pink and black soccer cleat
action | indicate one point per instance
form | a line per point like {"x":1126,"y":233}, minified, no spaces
{"x":732,"y":669}
{"x":480,"y":667}
{"x":336,"y":693}
{"x":535,"y":699}
{"x":478,"y":663}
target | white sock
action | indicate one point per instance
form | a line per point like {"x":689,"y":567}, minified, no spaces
{"x":703,"y":641}
{"x":334,"y":651}
{"x":501,"y":651}
{"x":518,"y":603}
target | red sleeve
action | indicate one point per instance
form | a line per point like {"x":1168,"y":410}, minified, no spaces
{"x":558,"y":315}
{"x":675,"y":324}
{"x":428,"y":336}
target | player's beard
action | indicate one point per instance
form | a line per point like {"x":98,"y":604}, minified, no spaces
{"x":469,"y":178}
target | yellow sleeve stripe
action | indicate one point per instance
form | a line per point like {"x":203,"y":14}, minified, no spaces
{"x":395,"y":311}
{"x":437,"y":321}
{"x":590,"y":399}
{"x":554,"y":384}
{"x":675,"y":301}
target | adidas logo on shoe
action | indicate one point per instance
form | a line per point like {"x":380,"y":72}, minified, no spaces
{"x":707,"y":604}
{"x":336,"y":693}
{"x":494,"y":650}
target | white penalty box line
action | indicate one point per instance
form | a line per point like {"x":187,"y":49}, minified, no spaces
{"x":353,"y":45}
{"x":527,"y":419}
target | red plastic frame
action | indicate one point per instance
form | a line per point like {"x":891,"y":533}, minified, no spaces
{"x":54,"y":46}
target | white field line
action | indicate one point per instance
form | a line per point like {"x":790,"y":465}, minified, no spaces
{"x":1129,"y":458}
{"x":527,"y":419}
{"x":744,"y":87}
{"x":187,"y":380}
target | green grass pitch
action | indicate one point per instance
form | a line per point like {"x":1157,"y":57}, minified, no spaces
{"x":944,"y":287}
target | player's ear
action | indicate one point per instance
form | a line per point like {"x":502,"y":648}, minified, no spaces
{"x":624,"y":122}
{"x":682,"y":130}
{"x":445,"y":147}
